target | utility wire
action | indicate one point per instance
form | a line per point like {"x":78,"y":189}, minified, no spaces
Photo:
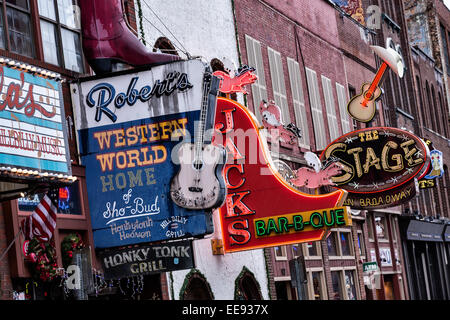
{"x":185,"y":50}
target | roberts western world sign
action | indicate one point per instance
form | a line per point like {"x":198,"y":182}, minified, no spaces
{"x":127,"y":126}
{"x":32,"y":122}
{"x":143,"y":260}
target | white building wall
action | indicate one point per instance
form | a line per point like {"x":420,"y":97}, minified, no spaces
{"x":205,"y":28}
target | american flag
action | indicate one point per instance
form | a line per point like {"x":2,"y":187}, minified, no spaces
{"x":42,"y":222}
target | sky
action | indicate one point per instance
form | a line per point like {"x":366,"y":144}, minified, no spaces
{"x":447,"y":3}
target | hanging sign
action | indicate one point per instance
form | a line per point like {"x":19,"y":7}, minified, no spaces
{"x":379,"y":166}
{"x":435,"y":168}
{"x":128,"y":125}
{"x":32,"y":122}
{"x":261,"y":209}
{"x":147,"y":259}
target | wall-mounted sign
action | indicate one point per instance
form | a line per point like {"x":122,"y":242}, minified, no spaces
{"x":370,"y":266}
{"x":385,"y":257}
{"x":32,"y":122}
{"x":147,"y":259}
{"x":127,"y":126}
{"x":261,"y":208}
{"x":435,"y":168}
{"x":379,"y":166}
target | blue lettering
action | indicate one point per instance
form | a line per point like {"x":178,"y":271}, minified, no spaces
{"x":102,"y":102}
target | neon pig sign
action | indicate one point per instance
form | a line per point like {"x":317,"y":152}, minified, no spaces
{"x":261,"y":209}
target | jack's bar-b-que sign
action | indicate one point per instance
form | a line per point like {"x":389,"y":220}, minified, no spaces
{"x":127,"y":125}
{"x":147,"y":259}
{"x":379,"y":166}
{"x":261,"y":209}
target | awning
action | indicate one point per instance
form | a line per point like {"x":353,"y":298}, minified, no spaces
{"x":425,"y":231}
{"x":447,"y":234}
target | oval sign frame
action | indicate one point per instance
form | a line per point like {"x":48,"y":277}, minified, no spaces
{"x":369,"y":180}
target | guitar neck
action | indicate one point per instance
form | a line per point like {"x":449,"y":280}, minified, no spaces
{"x":203,"y":113}
{"x":375,"y":82}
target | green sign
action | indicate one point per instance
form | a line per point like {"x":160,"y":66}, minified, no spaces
{"x":370,"y":266}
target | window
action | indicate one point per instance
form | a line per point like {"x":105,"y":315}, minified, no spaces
{"x":350,"y":284}
{"x":336,"y":286}
{"x":342,"y":102}
{"x":344,"y":284}
{"x":352,"y":93}
{"x":299,"y":101}
{"x":316,"y":109}
{"x":280,"y":253}
{"x":296,"y":250}
{"x":361,"y":243}
{"x":340,"y":243}
{"x":316,"y":285}
{"x":68,"y":202}
{"x":370,"y":227}
{"x":278,"y":86}
{"x":380,"y":227}
{"x":394,"y":228}
{"x":331,"y":108}
{"x":312,"y":249}
{"x":332,"y":244}
{"x":254,"y":56}
{"x":346,"y":243}
{"x":17,"y":36}
{"x":60,"y":32}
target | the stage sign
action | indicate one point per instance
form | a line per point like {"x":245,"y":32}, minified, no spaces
{"x":127,"y":126}
{"x":147,"y":259}
{"x":379,"y":166}
{"x":32,"y":122}
{"x":262,"y":209}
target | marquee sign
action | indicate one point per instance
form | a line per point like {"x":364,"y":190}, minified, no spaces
{"x":32,"y":122}
{"x":261,"y":208}
{"x":379,"y":166}
{"x":128,"y":125}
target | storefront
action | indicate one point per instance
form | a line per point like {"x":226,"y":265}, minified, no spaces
{"x":426,"y":256}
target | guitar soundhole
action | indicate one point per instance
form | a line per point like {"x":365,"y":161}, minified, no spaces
{"x":198,"y":165}
{"x":195,"y":189}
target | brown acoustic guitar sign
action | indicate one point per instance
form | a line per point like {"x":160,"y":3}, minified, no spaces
{"x":378,"y":166}
{"x":362,"y":107}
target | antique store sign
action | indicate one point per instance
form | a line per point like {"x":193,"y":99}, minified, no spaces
{"x":261,"y":208}
{"x":146,"y":259}
{"x":379,"y":166}
{"x":127,"y":126}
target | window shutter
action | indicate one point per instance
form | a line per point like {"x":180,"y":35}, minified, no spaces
{"x":279,"y":88}
{"x":299,"y":101}
{"x":316,"y":109}
{"x":342,"y":101}
{"x":254,"y":57}
{"x":331,"y":108}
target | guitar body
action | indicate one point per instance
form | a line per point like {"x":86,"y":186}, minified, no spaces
{"x":199,"y":186}
{"x":356,"y":108}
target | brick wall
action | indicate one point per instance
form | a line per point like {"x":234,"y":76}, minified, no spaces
{"x":5,"y":280}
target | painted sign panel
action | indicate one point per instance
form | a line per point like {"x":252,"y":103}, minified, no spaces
{"x":435,"y":168}
{"x":379,"y":166}
{"x":128,"y":126}
{"x":353,"y":8}
{"x":32,"y":122}
{"x":261,"y":208}
{"x":147,"y":259}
